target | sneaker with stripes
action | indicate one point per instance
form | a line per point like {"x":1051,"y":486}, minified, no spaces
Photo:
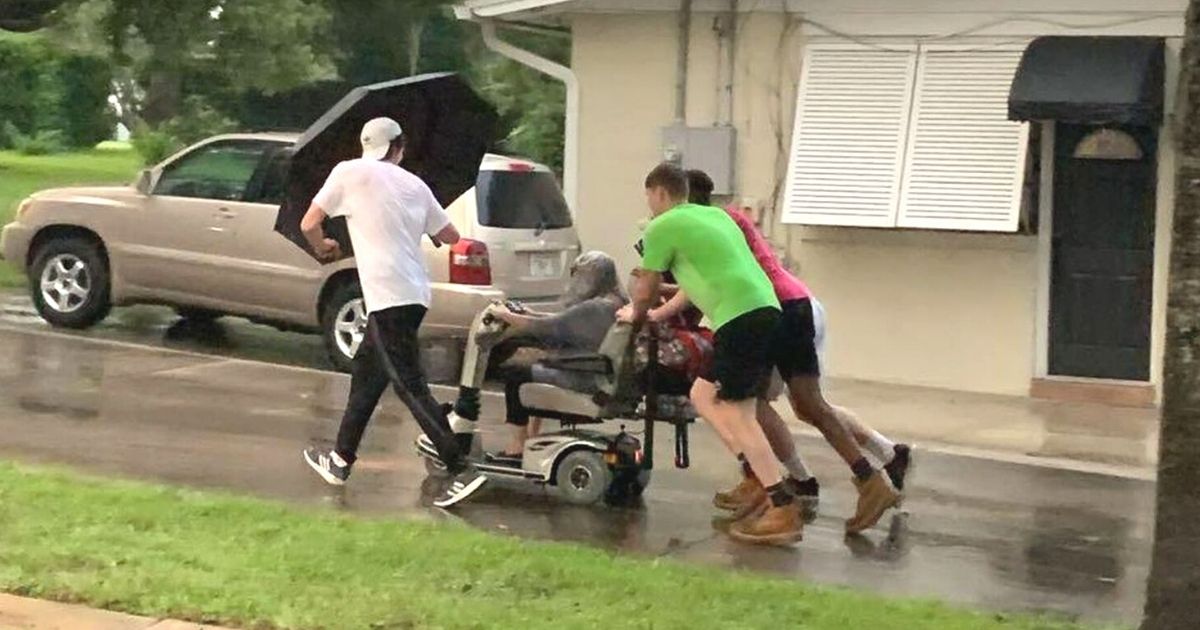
{"x":462,"y":486}
{"x":327,"y":463}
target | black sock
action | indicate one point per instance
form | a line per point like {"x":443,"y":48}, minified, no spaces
{"x":779,"y":494}
{"x":807,"y":488}
{"x":746,"y":469}
{"x":862,"y":469}
{"x":468,"y":403}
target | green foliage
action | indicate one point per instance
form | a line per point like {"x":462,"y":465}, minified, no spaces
{"x":24,"y":97}
{"x":85,"y":114}
{"x":153,"y":146}
{"x":197,"y":121}
{"x":43,"y":142}
{"x":379,"y":40}
{"x":209,"y":48}
{"x":270,"y":45}
{"x":532,"y":105}
{"x":47,"y":89}
{"x":26,"y":15}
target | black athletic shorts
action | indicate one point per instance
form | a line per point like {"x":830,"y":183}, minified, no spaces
{"x":795,"y":346}
{"x":741,"y":365}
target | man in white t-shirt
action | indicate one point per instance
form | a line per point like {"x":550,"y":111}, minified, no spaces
{"x":387,"y":211}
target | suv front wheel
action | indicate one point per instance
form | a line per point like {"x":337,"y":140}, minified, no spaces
{"x":344,"y":324}
{"x":69,"y":281}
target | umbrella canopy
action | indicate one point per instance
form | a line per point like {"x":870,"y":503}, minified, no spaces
{"x":448,"y":126}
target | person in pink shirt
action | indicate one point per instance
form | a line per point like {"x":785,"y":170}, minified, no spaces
{"x":802,"y":329}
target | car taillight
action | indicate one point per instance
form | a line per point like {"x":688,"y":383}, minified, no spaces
{"x":469,"y":263}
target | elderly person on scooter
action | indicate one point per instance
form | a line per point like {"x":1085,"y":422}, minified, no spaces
{"x":591,"y":303}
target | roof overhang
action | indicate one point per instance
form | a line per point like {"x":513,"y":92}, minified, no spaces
{"x":488,"y":9}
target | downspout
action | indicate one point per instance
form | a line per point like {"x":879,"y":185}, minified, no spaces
{"x":726,"y":113}
{"x":681,"y":61}
{"x":567,"y":76}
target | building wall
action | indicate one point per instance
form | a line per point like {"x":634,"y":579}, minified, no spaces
{"x":941,"y":309}
{"x":626,"y":95}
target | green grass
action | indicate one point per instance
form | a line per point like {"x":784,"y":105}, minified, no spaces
{"x":217,"y":558}
{"x":22,"y":175}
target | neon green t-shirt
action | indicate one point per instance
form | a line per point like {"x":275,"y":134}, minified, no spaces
{"x":707,"y":253}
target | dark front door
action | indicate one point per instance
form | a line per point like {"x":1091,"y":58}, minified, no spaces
{"x":1103,"y":253}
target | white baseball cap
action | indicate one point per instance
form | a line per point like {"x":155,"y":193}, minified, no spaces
{"x":377,"y":136}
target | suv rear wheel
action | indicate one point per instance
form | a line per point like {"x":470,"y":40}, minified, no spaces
{"x":344,"y":324}
{"x":69,"y":281}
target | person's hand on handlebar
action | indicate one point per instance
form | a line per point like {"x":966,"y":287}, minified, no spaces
{"x":625,"y":315}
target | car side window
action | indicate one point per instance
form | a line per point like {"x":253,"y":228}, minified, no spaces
{"x":221,"y":171}
{"x":268,"y":184}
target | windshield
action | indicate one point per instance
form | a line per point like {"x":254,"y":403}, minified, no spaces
{"x":523,"y":200}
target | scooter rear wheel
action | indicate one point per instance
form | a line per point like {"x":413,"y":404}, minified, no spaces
{"x":582,"y":477}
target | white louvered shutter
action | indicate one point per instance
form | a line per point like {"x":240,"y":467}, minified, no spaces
{"x":848,"y":140}
{"x":966,"y":162}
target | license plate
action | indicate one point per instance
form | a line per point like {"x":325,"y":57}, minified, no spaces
{"x":543,"y":265}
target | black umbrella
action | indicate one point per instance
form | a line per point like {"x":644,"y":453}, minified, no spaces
{"x":448,"y":126}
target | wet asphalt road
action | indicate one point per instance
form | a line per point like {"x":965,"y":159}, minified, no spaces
{"x":974,"y":531}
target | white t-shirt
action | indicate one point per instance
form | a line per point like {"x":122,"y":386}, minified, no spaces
{"x":387,"y":210}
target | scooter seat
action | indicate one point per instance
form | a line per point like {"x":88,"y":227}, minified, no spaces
{"x":545,"y":397}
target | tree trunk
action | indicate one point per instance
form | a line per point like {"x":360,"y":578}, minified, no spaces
{"x":1173,"y":590}
{"x":164,"y":94}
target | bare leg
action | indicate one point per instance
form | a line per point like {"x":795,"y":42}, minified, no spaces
{"x":781,"y":440}
{"x":870,"y":439}
{"x":809,"y":403}
{"x":876,"y":493}
{"x":738,"y":420}
{"x":535,"y":427}
{"x":873,"y":441}
{"x":724,"y":433}
{"x":516,"y":440}
{"x":778,"y":435}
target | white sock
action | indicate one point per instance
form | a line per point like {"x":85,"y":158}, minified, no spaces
{"x":881,"y":447}
{"x":796,"y":468}
{"x":337,"y":459}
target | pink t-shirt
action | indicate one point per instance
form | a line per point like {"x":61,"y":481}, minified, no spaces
{"x":787,"y":286}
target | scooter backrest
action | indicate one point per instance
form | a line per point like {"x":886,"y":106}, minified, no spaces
{"x":618,"y":348}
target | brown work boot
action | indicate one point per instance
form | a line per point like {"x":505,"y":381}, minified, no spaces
{"x":746,"y":495}
{"x":875,"y":496}
{"x":778,"y":525}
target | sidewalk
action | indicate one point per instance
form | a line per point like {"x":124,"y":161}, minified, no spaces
{"x":23,"y":613}
{"x":1124,"y":439}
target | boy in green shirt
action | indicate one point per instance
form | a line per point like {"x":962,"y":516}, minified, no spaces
{"x":706,"y":252}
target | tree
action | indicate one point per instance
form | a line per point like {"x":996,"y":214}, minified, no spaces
{"x":166,"y":50}
{"x":532,"y":105}
{"x":24,"y":16}
{"x":379,"y":40}
{"x":1173,"y":590}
